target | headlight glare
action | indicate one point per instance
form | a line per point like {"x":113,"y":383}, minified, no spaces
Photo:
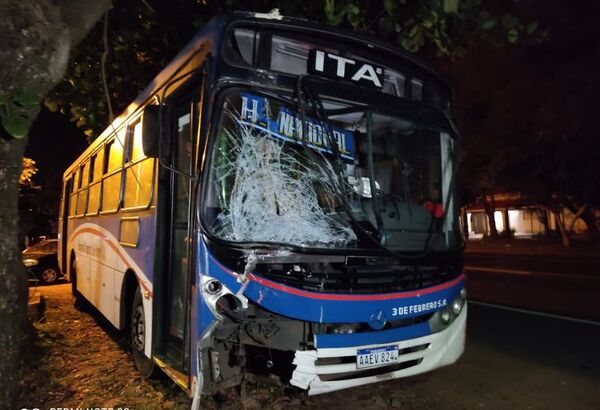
{"x":30,"y":262}
{"x":445,"y":316}
{"x":457,"y":305}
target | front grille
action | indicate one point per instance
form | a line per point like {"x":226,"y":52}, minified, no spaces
{"x":358,"y":275}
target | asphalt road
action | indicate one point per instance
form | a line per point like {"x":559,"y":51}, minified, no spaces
{"x":559,"y":285}
{"x":517,"y":360}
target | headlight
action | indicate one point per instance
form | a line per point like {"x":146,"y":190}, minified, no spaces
{"x":30,"y":262}
{"x":445,"y":316}
{"x":463,"y":293}
{"x":213,"y":287}
{"x":457,"y":305}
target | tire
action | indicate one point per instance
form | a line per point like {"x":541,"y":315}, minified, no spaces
{"x":137,"y":332}
{"x":49,"y":274}
{"x":79,"y":301}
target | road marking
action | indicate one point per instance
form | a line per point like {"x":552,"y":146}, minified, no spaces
{"x":526,"y":272}
{"x":536,"y":313}
{"x":499,"y":270}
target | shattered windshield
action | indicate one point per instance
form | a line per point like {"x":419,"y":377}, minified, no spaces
{"x":273,"y":180}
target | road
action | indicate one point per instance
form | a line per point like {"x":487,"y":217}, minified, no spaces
{"x":560,"y":285}
{"x":520,"y":361}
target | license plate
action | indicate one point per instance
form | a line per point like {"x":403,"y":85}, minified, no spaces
{"x":379,"y":356}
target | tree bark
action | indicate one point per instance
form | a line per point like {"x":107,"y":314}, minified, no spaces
{"x":37,"y":38}
{"x":507,"y":227}
{"x":13,"y":278}
{"x":489,"y":210}
{"x":543,"y":218}
{"x":564,"y":233}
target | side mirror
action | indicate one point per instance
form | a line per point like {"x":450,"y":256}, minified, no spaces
{"x":151,"y":131}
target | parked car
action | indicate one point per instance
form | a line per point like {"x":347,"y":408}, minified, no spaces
{"x":41,"y":260}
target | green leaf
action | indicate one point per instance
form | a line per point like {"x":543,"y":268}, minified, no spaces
{"x":532,"y":26}
{"x":25,"y":99}
{"x":334,"y":19}
{"x":16,"y":125}
{"x":352,"y":9}
{"x":413,"y":31}
{"x":513,"y":35}
{"x":389,"y":6}
{"x":451,"y":6}
{"x":430,"y":19}
{"x":488,"y":24}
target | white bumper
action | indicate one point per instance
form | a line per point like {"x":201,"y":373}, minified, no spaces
{"x":442,"y":349}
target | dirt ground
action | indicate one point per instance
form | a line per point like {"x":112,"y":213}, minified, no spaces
{"x":78,"y":360}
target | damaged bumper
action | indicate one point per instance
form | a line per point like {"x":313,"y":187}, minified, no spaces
{"x":323,"y":370}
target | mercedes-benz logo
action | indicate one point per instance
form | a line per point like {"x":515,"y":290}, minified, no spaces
{"x":377,"y":320}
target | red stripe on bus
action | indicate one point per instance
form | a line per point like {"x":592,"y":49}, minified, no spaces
{"x":334,"y":296}
{"x":117,"y":250}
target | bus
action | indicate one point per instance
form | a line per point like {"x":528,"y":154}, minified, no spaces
{"x":278,"y":203}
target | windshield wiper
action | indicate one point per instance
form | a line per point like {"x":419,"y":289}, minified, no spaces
{"x":372,"y":181}
{"x":339,"y":182}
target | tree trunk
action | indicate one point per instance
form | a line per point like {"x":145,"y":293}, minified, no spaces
{"x":13,"y":278}
{"x":507,"y":228}
{"x":489,"y":210}
{"x":543,"y":218}
{"x":37,"y":37}
{"x":564,"y":233}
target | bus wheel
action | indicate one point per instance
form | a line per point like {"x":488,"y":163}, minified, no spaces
{"x":144,"y":365}
{"x":79,"y":301}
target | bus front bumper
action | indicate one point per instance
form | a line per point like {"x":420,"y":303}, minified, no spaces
{"x":324,"y":370}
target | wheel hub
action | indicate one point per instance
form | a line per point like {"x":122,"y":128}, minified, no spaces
{"x":138,"y":329}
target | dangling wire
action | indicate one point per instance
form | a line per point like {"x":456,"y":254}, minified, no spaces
{"x":111,"y":116}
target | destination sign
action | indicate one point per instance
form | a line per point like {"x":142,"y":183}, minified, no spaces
{"x":287,"y":125}
{"x":343,"y":68}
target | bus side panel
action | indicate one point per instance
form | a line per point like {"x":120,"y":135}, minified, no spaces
{"x":78,"y":245}
{"x":103,"y":261}
{"x":102,"y":288}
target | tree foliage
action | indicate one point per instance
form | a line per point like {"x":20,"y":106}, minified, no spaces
{"x":144,"y":36}
{"x":28,"y":171}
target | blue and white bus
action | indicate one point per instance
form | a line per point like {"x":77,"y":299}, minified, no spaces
{"x":279,"y":201}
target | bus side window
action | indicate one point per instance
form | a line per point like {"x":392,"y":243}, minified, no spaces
{"x":113,"y":162}
{"x":96,"y":169}
{"x":82,"y":196}
{"x":139,"y":170}
{"x":73,"y":200}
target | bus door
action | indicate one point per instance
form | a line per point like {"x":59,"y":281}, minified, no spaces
{"x":177,"y":266}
